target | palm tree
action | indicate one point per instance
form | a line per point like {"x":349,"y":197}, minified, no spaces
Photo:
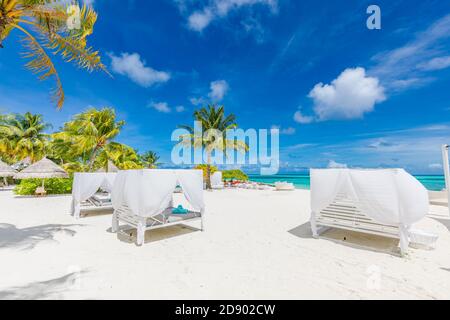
{"x":44,"y":24}
{"x":123,"y":156}
{"x":150,"y":159}
{"x":213,"y":118}
{"x":23,"y":136}
{"x":89,"y":133}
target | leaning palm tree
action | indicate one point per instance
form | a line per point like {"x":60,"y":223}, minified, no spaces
{"x":150,"y":159}
{"x":89,"y":133}
{"x":51,"y":26}
{"x":213,"y":121}
{"x":23,"y":136}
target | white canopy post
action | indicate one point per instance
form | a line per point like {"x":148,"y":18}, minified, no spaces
{"x":446,"y":165}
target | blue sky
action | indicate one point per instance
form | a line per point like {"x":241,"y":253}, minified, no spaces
{"x":339,"y":92}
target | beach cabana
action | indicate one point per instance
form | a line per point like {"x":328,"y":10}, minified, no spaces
{"x":85,"y":195}
{"x":43,"y":169}
{"x":142,"y":199}
{"x":6,"y":171}
{"x":384,"y":202}
{"x":216,"y":180}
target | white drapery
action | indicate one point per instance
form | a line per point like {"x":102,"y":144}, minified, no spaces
{"x":86,"y":184}
{"x":388,"y":196}
{"x":149,"y":192}
{"x":216,"y":178}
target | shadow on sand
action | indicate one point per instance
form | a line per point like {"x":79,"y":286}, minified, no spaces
{"x":50,"y":289}
{"x":356,"y":240}
{"x":28,"y":238}
{"x":129,"y":235}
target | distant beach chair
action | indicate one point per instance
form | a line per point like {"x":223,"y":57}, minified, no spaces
{"x":142,"y":199}
{"x":284,"y":186}
{"x":379,"y":202}
{"x":86,"y":195}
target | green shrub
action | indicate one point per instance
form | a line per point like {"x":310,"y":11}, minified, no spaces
{"x":52,"y":186}
{"x":234,"y":174}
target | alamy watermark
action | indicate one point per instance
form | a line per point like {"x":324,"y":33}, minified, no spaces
{"x":234,"y":147}
{"x":374,"y":20}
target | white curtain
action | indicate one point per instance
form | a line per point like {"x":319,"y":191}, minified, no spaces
{"x":389,"y":196}
{"x":191,"y":181}
{"x":216,"y":178}
{"x":86,"y":184}
{"x":149,"y":192}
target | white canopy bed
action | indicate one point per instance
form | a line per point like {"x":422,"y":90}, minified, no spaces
{"x":142,"y":199}
{"x":216,"y":180}
{"x":85,"y":195}
{"x":383,"y":202}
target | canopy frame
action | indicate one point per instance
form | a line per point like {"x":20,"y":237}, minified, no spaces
{"x":445,"y":163}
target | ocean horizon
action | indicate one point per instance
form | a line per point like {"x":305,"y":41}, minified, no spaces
{"x":302,"y":180}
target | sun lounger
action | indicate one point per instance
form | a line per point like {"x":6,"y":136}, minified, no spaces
{"x":142,"y":199}
{"x":86,"y":195}
{"x":379,"y":202}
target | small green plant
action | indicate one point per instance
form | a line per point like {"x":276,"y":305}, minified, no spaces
{"x":234,"y":174}
{"x":52,"y":186}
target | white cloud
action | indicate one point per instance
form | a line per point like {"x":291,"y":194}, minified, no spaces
{"x":300,"y":118}
{"x":197,"y":101}
{"x":131,"y":65}
{"x":336,"y":165}
{"x":285,"y":131}
{"x":199,"y":20}
{"x":216,"y":9}
{"x":180,"y":108}
{"x":435,"y":166}
{"x":218,"y":89}
{"x":164,"y":107}
{"x":160,"y":106}
{"x":414,"y":59}
{"x":435,"y":64}
{"x":349,"y":96}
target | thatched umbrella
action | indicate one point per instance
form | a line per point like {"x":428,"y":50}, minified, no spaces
{"x":22,"y":164}
{"x":6,"y":171}
{"x":43,"y":169}
{"x":111,"y":168}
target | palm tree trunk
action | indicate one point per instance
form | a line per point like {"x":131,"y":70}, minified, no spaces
{"x":208,"y":173}
{"x":92,"y":159}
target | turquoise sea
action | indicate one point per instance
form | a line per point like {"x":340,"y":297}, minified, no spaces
{"x":301,"y":181}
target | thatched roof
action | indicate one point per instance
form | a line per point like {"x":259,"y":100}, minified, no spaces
{"x":5,"y":170}
{"x":111,"y":168}
{"x":42,"y":169}
{"x":22,"y":164}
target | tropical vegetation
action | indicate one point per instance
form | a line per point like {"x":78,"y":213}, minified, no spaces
{"x":214,"y":125}
{"x":23,"y":136}
{"x":234,"y":175}
{"x":150,"y":159}
{"x":52,"y":186}
{"x":85,"y":143}
{"x":49,"y":28}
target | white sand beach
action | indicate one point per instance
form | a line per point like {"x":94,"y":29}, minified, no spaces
{"x":257,"y":245}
